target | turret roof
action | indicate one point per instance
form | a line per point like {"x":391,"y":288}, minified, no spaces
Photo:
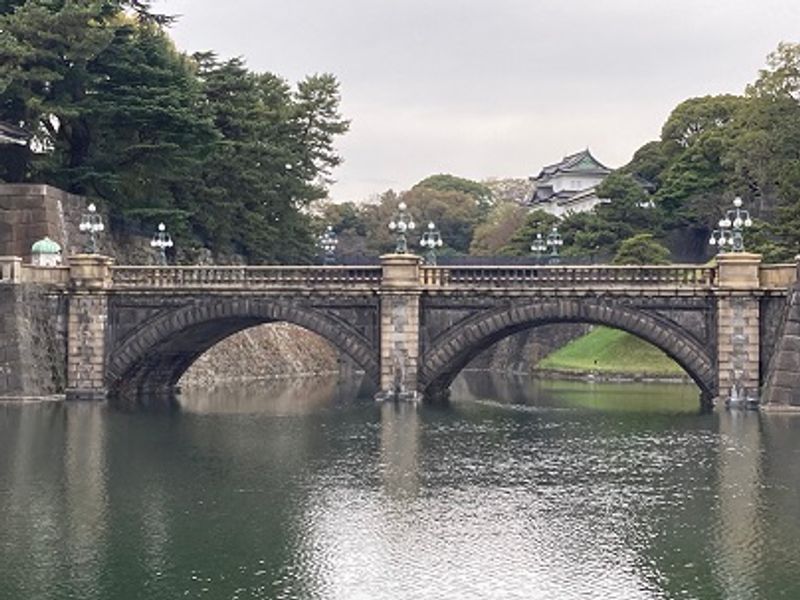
{"x":46,"y":246}
{"x":580,"y":162}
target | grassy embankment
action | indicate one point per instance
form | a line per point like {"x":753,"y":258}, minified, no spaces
{"x":611,"y":352}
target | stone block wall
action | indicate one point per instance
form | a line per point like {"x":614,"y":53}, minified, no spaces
{"x":521,"y":352}
{"x":782,"y":385}
{"x":10,"y":360}
{"x":30,"y":212}
{"x":33,"y":341}
{"x":271,"y":351}
{"x":399,"y":342}
{"x":738,"y":318}
{"x":88,"y":315}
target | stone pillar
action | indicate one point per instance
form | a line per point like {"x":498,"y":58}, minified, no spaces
{"x":738,"y":328}
{"x":10,"y":269}
{"x":400,"y":296}
{"x":90,"y":279}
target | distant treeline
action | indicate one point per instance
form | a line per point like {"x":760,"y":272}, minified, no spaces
{"x":665,"y":202}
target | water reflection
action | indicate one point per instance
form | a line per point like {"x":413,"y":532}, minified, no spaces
{"x":518,"y":490}
{"x":560,"y":394}
{"x":269,"y":397}
{"x":400,"y":449}
{"x":739,"y":534}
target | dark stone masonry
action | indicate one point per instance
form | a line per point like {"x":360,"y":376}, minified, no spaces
{"x":30,"y":212}
{"x":33,"y":341}
{"x":782,"y":387}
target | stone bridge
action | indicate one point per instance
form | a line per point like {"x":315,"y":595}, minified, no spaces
{"x":131,"y":331}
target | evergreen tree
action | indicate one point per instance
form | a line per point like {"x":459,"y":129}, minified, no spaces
{"x":229,"y":157}
{"x":641,"y":249}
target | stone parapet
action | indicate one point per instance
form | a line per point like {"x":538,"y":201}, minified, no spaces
{"x":400,"y":271}
{"x":90,"y":271}
{"x":738,"y":271}
{"x":10,"y":269}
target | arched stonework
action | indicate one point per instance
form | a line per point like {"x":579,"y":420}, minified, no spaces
{"x":151,"y":358}
{"x":451,"y":351}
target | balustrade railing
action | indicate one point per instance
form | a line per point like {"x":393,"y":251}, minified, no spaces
{"x":777,"y":276}
{"x":10,"y":269}
{"x":57,"y":276}
{"x":243,"y":277}
{"x":672,"y":276}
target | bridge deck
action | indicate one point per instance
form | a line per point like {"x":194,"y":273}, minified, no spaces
{"x":773,"y":277}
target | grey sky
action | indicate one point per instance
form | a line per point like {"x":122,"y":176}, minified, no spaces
{"x":493,"y":88}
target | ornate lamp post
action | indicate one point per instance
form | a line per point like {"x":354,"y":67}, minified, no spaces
{"x":402,"y":223}
{"x":160,"y":242}
{"x":328,"y":242}
{"x":538,"y":247}
{"x":554,"y":242}
{"x":431,"y":240}
{"x":92,"y":224}
{"x":730,"y":235}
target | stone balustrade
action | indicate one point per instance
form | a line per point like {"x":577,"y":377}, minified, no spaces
{"x":243,"y":277}
{"x":10,"y":269}
{"x":778,"y":276}
{"x":56,"y":276}
{"x":672,"y":276}
{"x":771,"y":276}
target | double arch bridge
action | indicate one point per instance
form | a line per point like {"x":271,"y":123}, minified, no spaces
{"x":132,"y":331}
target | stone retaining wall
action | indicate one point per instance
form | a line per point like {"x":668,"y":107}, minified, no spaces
{"x":277,"y":350}
{"x":782,"y":389}
{"x":30,"y":212}
{"x":33,"y":341}
{"x":521,"y":352}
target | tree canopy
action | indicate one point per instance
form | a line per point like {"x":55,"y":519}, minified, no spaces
{"x":229,"y":157}
{"x":641,"y":249}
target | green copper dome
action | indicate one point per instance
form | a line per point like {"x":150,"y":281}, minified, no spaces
{"x":46,"y":246}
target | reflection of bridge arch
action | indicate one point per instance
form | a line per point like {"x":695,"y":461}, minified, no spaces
{"x":150,"y":360}
{"x":449,"y":353}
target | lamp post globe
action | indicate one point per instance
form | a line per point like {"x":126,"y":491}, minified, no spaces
{"x":328,"y":242}
{"x":729,"y":235}
{"x":401,"y":224}
{"x":538,"y":246}
{"x":161,"y":241}
{"x":554,"y":242}
{"x":91,"y":224}
{"x":430,"y":240}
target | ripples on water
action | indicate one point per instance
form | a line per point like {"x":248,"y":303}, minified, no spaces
{"x":517,"y":490}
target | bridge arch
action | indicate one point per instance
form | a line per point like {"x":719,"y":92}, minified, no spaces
{"x":148,"y":362}
{"x":453,"y":350}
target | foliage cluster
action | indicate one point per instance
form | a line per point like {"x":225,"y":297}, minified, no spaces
{"x":229,"y":157}
{"x":663,"y":204}
{"x":454,"y":204}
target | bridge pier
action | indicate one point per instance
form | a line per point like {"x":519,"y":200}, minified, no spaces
{"x":90,"y":277}
{"x":738,"y":329}
{"x":400,"y":293}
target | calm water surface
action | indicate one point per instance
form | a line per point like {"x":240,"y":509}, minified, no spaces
{"x":517,"y":490}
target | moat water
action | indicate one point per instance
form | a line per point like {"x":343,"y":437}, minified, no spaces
{"x":518,"y":489}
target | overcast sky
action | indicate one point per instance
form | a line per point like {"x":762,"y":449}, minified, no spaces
{"x":493,"y":88}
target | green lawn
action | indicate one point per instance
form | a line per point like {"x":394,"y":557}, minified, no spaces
{"x":607,"y":350}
